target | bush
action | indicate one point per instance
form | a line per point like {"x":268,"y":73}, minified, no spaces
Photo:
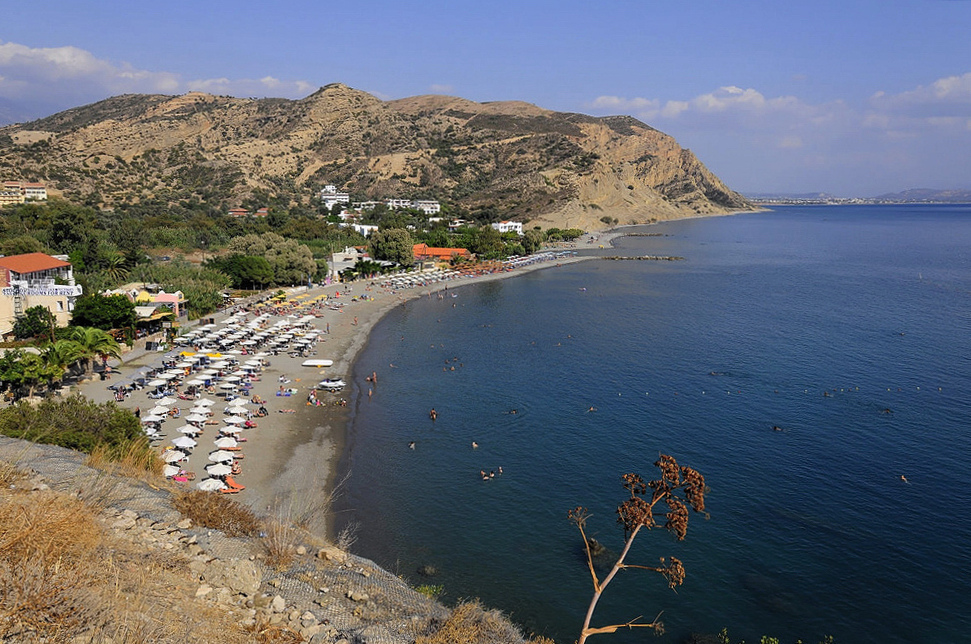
{"x":79,"y":424}
{"x":211,"y":510}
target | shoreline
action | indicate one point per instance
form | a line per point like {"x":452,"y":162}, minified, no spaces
{"x":291,"y":459}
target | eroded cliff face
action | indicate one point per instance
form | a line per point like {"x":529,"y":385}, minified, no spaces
{"x":504,"y":160}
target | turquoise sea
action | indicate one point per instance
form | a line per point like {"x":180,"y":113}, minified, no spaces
{"x":849,"y":327}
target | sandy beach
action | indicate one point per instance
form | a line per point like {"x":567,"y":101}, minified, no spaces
{"x":290,"y":458}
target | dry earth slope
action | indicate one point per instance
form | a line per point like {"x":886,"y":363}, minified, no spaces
{"x":498,"y":160}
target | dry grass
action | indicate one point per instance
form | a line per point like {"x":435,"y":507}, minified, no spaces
{"x":10,"y":473}
{"x":469,"y":623}
{"x":62,"y":574}
{"x":265,"y":633}
{"x":134,"y":460}
{"x":211,"y":510}
{"x":280,"y":543}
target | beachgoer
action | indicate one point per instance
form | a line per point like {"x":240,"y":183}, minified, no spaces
{"x":475,"y":445}
{"x":411,"y":445}
{"x":433,"y":414}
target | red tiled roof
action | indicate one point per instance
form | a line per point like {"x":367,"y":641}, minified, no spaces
{"x":31,"y":262}
{"x":424,"y":250}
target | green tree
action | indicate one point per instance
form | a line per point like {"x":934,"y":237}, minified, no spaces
{"x":393,"y":245}
{"x":533,"y":240}
{"x":21,"y":246}
{"x":37,"y":321}
{"x":92,"y":344}
{"x":488,"y":243}
{"x":292,"y":261}
{"x":245,"y":270}
{"x":104,"y":312}
{"x":25,"y":370}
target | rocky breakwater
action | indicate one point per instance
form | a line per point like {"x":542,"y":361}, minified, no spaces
{"x":170,"y":579}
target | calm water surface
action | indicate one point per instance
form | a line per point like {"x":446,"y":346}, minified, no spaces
{"x":849,"y":327}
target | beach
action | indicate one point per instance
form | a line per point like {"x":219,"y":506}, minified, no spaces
{"x":290,"y":458}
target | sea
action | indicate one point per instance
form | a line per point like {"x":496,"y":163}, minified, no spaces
{"x":812,"y":362}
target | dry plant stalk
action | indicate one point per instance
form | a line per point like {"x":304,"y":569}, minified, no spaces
{"x":638,"y":512}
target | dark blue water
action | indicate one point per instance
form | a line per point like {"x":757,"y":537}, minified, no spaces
{"x":849,"y":327}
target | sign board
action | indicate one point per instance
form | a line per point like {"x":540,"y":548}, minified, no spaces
{"x":46,"y":291}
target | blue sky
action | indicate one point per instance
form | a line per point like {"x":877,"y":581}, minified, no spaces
{"x":854,"y":98}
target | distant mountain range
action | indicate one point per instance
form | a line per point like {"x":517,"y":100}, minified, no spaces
{"x":504,"y":160}
{"x":914,"y":195}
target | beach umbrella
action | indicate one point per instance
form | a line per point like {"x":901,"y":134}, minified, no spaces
{"x":195,"y":382}
{"x":221,"y":456}
{"x":184,"y":442}
{"x":231,"y":378}
{"x":225,"y":441}
{"x":172,"y":456}
{"x":188,"y":429}
{"x":167,"y":401}
{"x":196,"y":418}
{"x":152,"y":419}
{"x":156,"y":383}
{"x":159,"y":410}
{"x":205,"y":402}
{"x":219,"y":469}
{"x":234,"y":420}
{"x":170,"y":470}
{"x":210,"y":485}
{"x":237,"y":409}
{"x":166,"y":376}
{"x":227,"y":385}
{"x":230,"y":429}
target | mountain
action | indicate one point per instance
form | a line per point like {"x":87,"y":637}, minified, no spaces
{"x":503,"y":160}
{"x":928,"y":195}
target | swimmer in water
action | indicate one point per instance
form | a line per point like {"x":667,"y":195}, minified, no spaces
{"x":904,"y":479}
{"x":475,"y":445}
{"x":411,"y":445}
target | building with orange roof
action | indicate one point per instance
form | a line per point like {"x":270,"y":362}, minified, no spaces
{"x":15,"y":192}
{"x":424,"y":252}
{"x":36,"y":279}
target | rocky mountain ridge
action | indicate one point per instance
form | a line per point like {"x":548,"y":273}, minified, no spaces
{"x":502,"y":160}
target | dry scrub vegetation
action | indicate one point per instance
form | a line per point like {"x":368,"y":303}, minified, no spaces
{"x":63,"y":575}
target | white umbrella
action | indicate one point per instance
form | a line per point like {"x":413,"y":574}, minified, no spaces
{"x":237,"y":409}
{"x":167,"y":401}
{"x":219,"y":469}
{"x":200,"y":411}
{"x":225,"y":441}
{"x":196,"y":418}
{"x":159,"y":410}
{"x":184,"y":441}
{"x":170,"y":470}
{"x":152,"y":419}
{"x":174,"y":455}
{"x":231,"y":378}
{"x":184,"y":365}
{"x":205,"y":402}
{"x":234,"y":420}
{"x":230,"y":429}
{"x":210,"y":485}
{"x":221,"y":456}
{"x":156,"y":383}
{"x":166,"y":376}
{"x":227,"y":385}
{"x":188,"y":429}
{"x":195,"y":382}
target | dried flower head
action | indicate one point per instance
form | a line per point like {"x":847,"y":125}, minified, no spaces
{"x":673,"y":572}
{"x":677,"y":517}
{"x":634,"y":484}
{"x":670,"y":472}
{"x":578,"y":516}
{"x":633,"y":512}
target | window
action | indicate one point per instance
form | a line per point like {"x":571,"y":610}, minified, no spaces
{"x":60,"y":306}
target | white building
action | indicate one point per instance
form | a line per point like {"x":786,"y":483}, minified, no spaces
{"x":427,"y":206}
{"x":509,"y":227}
{"x":36,"y":279}
{"x":330,"y":197}
{"x":364,"y":229}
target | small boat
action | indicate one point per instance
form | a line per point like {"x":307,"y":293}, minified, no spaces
{"x":317,"y":363}
{"x":331,"y":384}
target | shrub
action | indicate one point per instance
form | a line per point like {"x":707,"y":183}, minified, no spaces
{"x":211,"y":510}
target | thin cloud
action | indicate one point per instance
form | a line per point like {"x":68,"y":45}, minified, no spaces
{"x":44,"y":80}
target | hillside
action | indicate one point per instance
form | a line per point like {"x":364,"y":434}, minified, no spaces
{"x":495,"y":160}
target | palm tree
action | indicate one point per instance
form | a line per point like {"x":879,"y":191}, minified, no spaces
{"x":60,"y":355}
{"x":94,"y":343}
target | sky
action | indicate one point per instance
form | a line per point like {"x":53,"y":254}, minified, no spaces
{"x":849,"y":97}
